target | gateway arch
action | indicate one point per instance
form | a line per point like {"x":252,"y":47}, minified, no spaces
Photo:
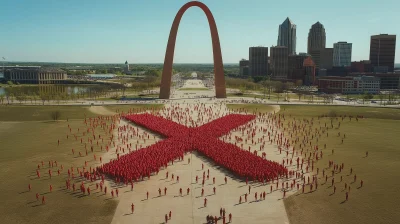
{"x":219,"y":78}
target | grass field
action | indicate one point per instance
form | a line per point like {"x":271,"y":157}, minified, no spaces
{"x":250,"y":107}
{"x":28,"y":140}
{"x":377,"y":200}
{"x":40,"y":113}
{"x":196,"y":89}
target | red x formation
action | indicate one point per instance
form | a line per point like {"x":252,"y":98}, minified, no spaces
{"x":181,"y":139}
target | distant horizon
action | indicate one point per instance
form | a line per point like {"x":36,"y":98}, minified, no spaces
{"x":122,"y":63}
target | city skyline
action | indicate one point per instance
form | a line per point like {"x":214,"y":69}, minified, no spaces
{"x":138,"y":31}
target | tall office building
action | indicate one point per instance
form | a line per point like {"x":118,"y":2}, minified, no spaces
{"x":244,"y":67}
{"x":316,"y":37}
{"x":258,"y":61}
{"x":309,"y":76}
{"x":287,"y":36}
{"x":323,"y":58}
{"x":342,"y":54}
{"x":279,"y":62}
{"x":382,"y":52}
{"x":295,"y":66}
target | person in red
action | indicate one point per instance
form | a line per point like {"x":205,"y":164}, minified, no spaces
{"x":230,"y":217}
{"x":51,"y":188}
{"x":362,"y":182}
{"x":166,"y":218}
{"x":205,"y":202}
{"x":245,"y":197}
{"x":213,"y":180}
{"x":264,"y":195}
{"x":88,"y":190}
{"x":214,"y":189}
{"x":112,"y":193}
{"x":202,"y":183}
{"x":249,"y":188}
{"x":159,"y":191}
{"x":177,"y":179}
{"x":271,"y":189}
{"x":132,"y":207}
{"x":226,"y":180}
{"x":334,"y":189}
{"x":180,"y":191}
{"x":347,"y":196}
{"x":188,"y":191}
{"x":202,"y":166}
{"x":255,"y":196}
{"x":43,"y":200}
{"x":197,"y":179}
{"x":355,"y":177}
{"x":116,"y":191}
{"x":202,"y":192}
{"x":37,"y":196}
{"x":240,"y":200}
{"x":165,"y":191}
{"x":29,"y":187}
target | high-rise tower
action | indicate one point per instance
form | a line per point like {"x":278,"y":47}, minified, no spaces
{"x":382,"y":52}
{"x":316,"y":37}
{"x":287,"y":36}
{"x":342,"y":54}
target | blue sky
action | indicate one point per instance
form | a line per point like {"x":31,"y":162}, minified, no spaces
{"x":105,"y":31}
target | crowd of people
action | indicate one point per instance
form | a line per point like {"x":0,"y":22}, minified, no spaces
{"x":149,"y":160}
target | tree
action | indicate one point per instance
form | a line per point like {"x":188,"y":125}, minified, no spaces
{"x":34,"y":97}
{"x":299,"y":83}
{"x":55,"y":115}
{"x":299,"y":94}
{"x":43,"y":97}
{"x":367,"y":96}
{"x":2,"y":96}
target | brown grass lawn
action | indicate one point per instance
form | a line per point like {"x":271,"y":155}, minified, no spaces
{"x":25,"y":141}
{"x":250,"y":108}
{"x":377,"y":200}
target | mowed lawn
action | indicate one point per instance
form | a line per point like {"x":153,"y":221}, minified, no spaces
{"x":377,"y":200}
{"x":42,"y":113}
{"x":250,"y":108}
{"x":126,"y":108}
{"x":25,"y":141}
{"x":378,"y":133}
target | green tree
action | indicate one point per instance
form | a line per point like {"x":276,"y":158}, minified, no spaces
{"x":2,"y":96}
{"x":299,"y":94}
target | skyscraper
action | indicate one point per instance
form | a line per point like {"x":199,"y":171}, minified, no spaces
{"x":342,"y":54}
{"x":244,"y":67}
{"x":279,"y":62}
{"x":258,"y":61}
{"x":323,"y":57}
{"x":382,"y":52}
{"x":316,"y":37}
{"x":287,"y":36}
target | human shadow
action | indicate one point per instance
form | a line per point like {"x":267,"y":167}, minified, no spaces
{"x":128,"y":214}
{"x":23,"y":192}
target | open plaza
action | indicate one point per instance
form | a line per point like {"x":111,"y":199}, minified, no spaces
{"x":254,"y":161}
